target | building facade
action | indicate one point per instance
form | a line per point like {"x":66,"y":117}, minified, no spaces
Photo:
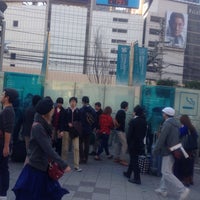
{"x":26,"y":33}
{"x":171,"y":34}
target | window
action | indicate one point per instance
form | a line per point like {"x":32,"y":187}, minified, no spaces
{"x":113,"y":51}
{"x":155,"y":19}
{"x":12,"y":65}
{"x":152,"y":44}
{"x":154,"y":31}
{"x":112,"y":72}
{"x":120,"y":20}
{"x":15,"y":23}
{"x":118,"y":30}
{"x":113,"y":62}
{"x":118,"y":41}
{"x":13,"y":56}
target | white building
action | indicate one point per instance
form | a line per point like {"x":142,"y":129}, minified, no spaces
{"x":173,"y":62}
{"x":26,"y":34}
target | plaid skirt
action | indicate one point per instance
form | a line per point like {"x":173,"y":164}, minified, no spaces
{"x":34,"y":184}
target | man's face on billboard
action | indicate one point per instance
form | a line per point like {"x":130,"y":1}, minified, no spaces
{"x":177,"y":26}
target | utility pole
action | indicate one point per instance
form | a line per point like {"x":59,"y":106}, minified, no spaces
{"x":2,"y":40}
{"x":3,"y":7}
{"x":87,"y":35}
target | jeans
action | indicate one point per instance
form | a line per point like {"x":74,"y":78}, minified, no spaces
{"x":4,"y":174}
{"x":121,"y":146}
{"x":168,"y":177}
{"x":103,"y":144}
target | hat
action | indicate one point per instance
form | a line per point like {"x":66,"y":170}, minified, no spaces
{"x":169,"y":111}
{"x":44,"y":106}
{"x":59,"y":100}
{"x":11,"y":93}
{"x":138,"y":110}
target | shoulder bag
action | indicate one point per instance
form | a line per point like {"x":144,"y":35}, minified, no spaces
{"x":54,"y":171}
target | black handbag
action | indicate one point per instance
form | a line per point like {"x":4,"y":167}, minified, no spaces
{"x":73,"y":132}
{"x":190,"y":142}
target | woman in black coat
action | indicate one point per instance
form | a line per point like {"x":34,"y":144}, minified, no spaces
{"x":135,"y":139}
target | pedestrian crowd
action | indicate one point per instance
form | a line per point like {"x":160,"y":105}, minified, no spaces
{"x":51,"y":131}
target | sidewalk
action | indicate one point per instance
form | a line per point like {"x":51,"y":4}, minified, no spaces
{"x":103,"y":180}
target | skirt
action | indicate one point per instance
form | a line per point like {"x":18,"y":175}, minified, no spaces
{"x":34,"y":184}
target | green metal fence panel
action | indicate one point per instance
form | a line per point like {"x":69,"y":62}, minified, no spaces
{"x":26,"y":84}
{"x":154,"y":99}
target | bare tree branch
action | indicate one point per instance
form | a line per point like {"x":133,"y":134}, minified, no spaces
{"x":99,"y":69}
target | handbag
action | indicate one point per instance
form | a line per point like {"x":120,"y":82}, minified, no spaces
{"x":73,"y":133}
{"x":177,"y":154}
{"x":190,"y":142}
{"x":54,"y":171}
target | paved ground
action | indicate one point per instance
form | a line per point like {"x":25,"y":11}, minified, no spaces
{"x":103,"y":180}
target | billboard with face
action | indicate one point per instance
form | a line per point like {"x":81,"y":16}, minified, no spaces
{"x":176,"y":29}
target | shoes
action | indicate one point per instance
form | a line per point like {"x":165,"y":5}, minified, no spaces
{"x":97,"y":158}
{"x":138,"y":182}
{"x":123,"y":162}
{"x":117,"y":160}
{"x":126,"y":174}
{"x":184,"y":194}
{"x":78,"y":169}
{"x":161,"y":192}
{"x":110,"y":156}
{"x":3,"y":197}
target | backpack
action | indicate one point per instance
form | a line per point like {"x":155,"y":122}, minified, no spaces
{"x":90,"y":118}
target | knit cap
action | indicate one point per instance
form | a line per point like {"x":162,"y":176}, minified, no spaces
{"x":44,"y":106}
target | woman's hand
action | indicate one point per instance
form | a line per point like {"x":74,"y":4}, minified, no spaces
{"x":67,"y":169}
{"x":70,"y":125}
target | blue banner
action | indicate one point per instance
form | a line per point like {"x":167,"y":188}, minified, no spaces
{"x":140,"y":62}
{"x":122,"y":74}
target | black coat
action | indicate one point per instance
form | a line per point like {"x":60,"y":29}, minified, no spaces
{"x":136,"y":134}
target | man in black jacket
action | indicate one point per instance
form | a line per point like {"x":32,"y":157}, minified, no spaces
{"x":71,"y":131}
{"x":121,"y":145}
{"x":88,"y":121}
{"x":136,"y":134}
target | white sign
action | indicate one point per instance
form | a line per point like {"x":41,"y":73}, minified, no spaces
{"x":188,"y":103}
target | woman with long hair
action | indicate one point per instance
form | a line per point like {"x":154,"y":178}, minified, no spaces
{"x":184,"y":168}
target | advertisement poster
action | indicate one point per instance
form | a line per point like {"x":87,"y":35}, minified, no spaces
{"x":176,"y":29}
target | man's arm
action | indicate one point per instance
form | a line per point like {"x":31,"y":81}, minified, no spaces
{"x":6,"y":148}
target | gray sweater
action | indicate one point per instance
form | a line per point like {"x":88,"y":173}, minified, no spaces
{"x":169,"y":137}
{"x":40,"y":147}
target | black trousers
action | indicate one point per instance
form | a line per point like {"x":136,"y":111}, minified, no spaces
{"x":134,"y":166}
{"x":4,"y":173}
{"x":84,"y":145}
